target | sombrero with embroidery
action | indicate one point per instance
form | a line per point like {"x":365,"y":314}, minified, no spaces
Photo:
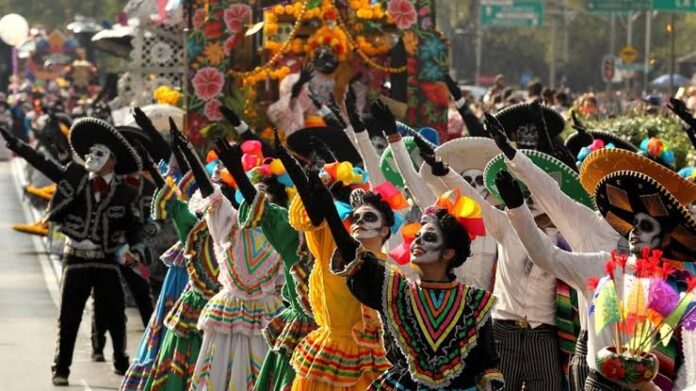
{"x":154,"y":144}
{"x":621,"y":195}
{"x":462,"y":154}
{"x":520,"y":126}
{"x":603,"y":162}
{"x":565,"y":176}
{"x":575,"y":142}
{"x":89,"y":131}
{"x":301,"y":142}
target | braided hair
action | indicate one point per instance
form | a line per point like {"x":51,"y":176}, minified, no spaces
{"x":455,"y":235}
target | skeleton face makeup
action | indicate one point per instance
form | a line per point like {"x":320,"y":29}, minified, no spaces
{"x":366,"y":222}
{"x":646,"y":232}
{"x":474,"y":177}
{"x":97,"y":157}
{"x":428,"y":245}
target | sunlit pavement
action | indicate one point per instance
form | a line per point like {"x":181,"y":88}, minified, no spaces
{"x":29,"y":292}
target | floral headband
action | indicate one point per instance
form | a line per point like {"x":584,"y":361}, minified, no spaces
{"x":464,"y":209}
{"x":596,"y":145}
{"x":343,"y":172}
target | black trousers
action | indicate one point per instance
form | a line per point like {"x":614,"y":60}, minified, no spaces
{"x":140,"y":289}
{"x":80,"y":277}
{"x":529,"y":356}
{"x":578,"y":368}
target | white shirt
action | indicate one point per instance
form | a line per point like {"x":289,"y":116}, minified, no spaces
{"x":522,"y":289}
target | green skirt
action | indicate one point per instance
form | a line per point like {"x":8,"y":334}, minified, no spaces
{"x":276,"y":373}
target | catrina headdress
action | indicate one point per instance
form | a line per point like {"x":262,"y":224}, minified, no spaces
{"x":464,"y":209}
{"x":258,"y":168}
{"x":386,"y":192}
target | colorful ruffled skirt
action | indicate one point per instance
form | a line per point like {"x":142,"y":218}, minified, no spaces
{"x":233,"y":346}
{"x":181,"y":344}
{"x":282,"y":335}
{"x":399,"y":379}
{"x":174,"y":282}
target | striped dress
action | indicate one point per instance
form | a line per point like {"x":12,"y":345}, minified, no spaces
{"x":173,"y":368}
{"x":233,"y":321}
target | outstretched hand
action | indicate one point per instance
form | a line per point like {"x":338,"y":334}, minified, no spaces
{"x":143,"y":120}
{"x":497,"y":132}
{"x":679,"y":108}
{"x":509,"y":190}
{"x":229,"y":154}
{"x":176,"y":135}
{"x":453,"y":88}
{"x":384,"y":117}
{"x":230,"y":116}
{"x":352,"y":109}
{"x":426,"y":151}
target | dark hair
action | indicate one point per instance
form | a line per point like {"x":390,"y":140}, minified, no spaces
{"x":276,"y":191}
{"x":375,"y":200}
{"x":534,"y":88}
{"x":456,"y":238}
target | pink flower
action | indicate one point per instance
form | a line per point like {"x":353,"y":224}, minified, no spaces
{"x":236,"y":15}
{"x":212,"y":110}
{"x":403,"y":13}
{"x":208,"y":83}
{"x":230,"y":44}
{"x":198,"y":18}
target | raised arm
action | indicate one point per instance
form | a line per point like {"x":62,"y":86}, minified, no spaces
{"x":245,"y":132}
{"x":494,"y":219}
{"x":199,"y":173}
{"x":421,"y":193}
{"x":471,"y":121}
{"x":367,"y":150}
{"x":679,"y":108}
{"x":573,"y":268}
{"x":564,"y":211}
{"x":299,"y":179}
{"x":176,"y":151}
{"x":37,"y":160}
{"x":150,"y":166}
{"x":230,"y":156}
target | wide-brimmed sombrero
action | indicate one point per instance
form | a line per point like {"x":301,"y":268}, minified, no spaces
{"x":153,"y":142}
{"x":567,"y":179}
{"x":301,"y":142}
{"x":388,"y":166}
{"x":603,"y":162}
{"x":466,"y":153}
{"x":89,"y":131}
{"x":520,"y":126}
{"x":621,"y":195}
{"x":575,"y":142}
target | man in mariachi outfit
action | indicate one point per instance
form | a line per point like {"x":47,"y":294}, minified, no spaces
{"x":151,"y":146}
{"x":97,"y":213}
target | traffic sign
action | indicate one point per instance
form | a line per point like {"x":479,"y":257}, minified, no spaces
{"x":608,"y":68}
{"x":629,"y":54}
{"x":675,"y":5}
{"x":512,"y":13}
{"x":620,"y":6}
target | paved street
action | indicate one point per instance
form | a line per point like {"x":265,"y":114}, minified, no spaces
{"x":28,"y":310}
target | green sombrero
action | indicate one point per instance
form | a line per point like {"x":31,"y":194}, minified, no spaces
{"x":388,"y":165}
{"x":564,"y":175}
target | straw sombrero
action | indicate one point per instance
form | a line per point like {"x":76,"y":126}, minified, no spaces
{"x":621,"y":195}
{"x":565,"y":176}
{"x":603,"y":162}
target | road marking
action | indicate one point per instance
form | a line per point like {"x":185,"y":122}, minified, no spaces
{"x":85,"y":386}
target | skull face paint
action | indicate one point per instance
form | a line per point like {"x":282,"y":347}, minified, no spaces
{"x":97,"y":157}
{"x":474,"y":177}
{"x":428,"y":245}
{"x":366,"y":222}
{"x":646,"y":232}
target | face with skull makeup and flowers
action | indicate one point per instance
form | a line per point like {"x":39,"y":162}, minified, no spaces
{"x":367,"y":223}
{"x":428,"y":246}
{"x":646,"y":232}
{"x":97,"y":158}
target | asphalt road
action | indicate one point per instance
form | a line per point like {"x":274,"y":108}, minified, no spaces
{"x":29,"y":294}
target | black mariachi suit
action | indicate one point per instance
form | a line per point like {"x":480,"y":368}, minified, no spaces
{"x":109,"y":223}
{"x":136,"y":283}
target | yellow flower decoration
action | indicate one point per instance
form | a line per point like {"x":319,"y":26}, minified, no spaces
{"x":214,"y":53}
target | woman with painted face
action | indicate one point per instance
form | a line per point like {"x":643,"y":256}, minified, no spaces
{"x":455,"y":352}
{"x":642,"y":210}
{"x":345,"y":352}
{"x":262,"y":208}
